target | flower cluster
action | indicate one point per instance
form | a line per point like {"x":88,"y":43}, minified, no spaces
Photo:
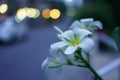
{"x":75,"y":45}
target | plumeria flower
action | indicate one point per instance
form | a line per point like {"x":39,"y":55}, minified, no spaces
{"x":55,"y":59}
{"x":74,"y":39}
{"x":87,"y":23}
{"x":74,"y":47}
{"x":51,"y":62}
{"x":51,"y":66}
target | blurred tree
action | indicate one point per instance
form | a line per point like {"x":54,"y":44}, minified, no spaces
{"x":115,"y":5}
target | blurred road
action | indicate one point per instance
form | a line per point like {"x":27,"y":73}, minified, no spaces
{"x":22,"y":60}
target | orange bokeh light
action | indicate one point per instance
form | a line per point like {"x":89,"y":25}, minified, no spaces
{"x":46,"y":13}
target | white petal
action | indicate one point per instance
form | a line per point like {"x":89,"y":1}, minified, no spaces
{"x":59,"y":31}
{"x":45,"y":63}
{"x":75,"y":24}
{"x":86,"y":20}
{"x":58,"y":45}
{"x":98,"y":24}
{"x":68,"y":35}
{"x":87,"y":44}
{"x":53,"y":51}
{"x":71,"y":49}
{"x":81,"y":33}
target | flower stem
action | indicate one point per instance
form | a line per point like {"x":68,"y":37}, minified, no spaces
{"x":91,"y":68}
{"x":87,"y":63}
{"x":94,"y":72}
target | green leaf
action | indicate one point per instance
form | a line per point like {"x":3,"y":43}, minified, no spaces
{"x":116,"y":36}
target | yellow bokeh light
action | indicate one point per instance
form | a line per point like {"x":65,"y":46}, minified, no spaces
{"x":55,"y":13}
{"x":46,"y":13}
{"x":21,"y":13}
{"x":31,"y":12}
{"x":37,"y":13}
{"x":3,"y":8}
{"x":17,"y":19}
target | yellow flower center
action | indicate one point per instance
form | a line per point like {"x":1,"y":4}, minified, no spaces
{"x":75,"y":42}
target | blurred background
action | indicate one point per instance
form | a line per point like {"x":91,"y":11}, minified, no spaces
{"x":26,"y":32}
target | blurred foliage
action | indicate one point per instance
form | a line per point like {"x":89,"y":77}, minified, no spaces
{"x":116,"y":36}
{"x":107,"y":11}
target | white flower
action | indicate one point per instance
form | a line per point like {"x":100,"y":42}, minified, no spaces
{"x":51,"y":62}
{"x":87,"y":23}
{"x":74,"y":39}
{"x":55,"y":59}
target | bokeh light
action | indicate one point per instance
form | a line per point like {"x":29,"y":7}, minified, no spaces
{"x":3,"y":8}
{"x":37,"y":13}
{"x":46,"y":13}
{"x":21,"y":14}
{"x":55,"y":13}
{"x":33,"y":13}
